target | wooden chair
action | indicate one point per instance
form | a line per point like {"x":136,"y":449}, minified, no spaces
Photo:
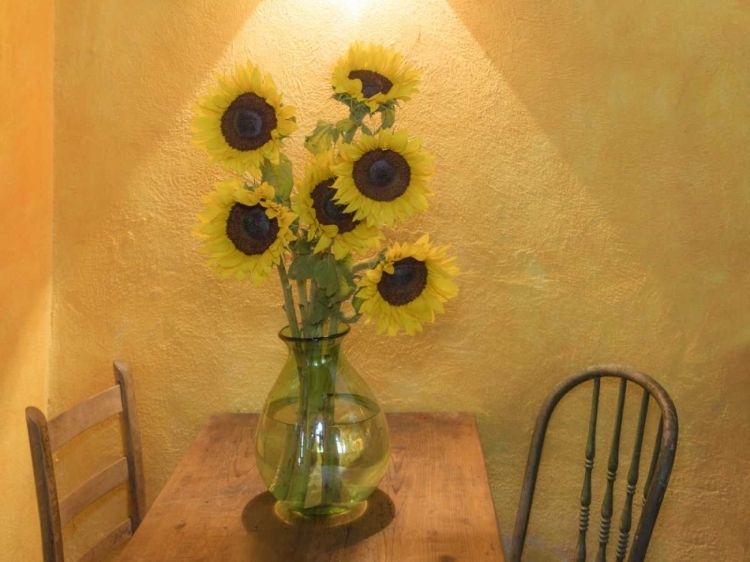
{"x":656,"y":481}
{"x":49,"y":436}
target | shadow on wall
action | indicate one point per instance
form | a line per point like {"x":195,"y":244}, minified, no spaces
{"x":133,"y":68}
{"x":124,"y":77}
{"x":647,"y":106}
{"x":646,"y":103}
{"x":125,"y":74}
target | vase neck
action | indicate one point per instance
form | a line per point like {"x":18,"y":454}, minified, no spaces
{"x":314,"y":343}
{"x":285,"y":334}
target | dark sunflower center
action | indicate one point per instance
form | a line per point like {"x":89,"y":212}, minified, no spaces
{"x":406,"y":283}
{"x":372,"y":82}
{"x":247,"y":122}
{"x":328,"y":211}
{"x":250,"y":230}
{"x":382,"y":175}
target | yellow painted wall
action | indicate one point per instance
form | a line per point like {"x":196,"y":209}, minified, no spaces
{"x":592,"y":176}
{"x":26,"y":70}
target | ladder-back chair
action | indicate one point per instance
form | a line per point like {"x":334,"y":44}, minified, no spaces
{"x":656,"y":481}
{"x":47,"y":436}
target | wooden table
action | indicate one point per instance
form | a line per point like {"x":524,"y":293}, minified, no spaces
{"x":433,"y":505}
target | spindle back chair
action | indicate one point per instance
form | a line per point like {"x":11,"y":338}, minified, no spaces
{"x":656,"y":482}
{"x":47,"y":436}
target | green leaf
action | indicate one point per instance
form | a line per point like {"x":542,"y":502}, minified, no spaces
{"x":357,"y":303}
{"x":326,"y":276}
{"x":349,"y":135}
{"x":358,"y":112}
{"x":389,"y":118}
{"x":345,"y":125}
{"x":302,"y":246}
{"x":344,"y":98}
{"x":344,"y":270}
{"x":322,"y":137}
{"x":279,"y":176}
{"x":366,"y":130}
{"x":303,"y":267}
{"x":346,"y":282}
{"x":320,"y":311}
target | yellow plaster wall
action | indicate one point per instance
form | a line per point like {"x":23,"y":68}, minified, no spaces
{"x":26,"y":70}
{"x":592,"y":176}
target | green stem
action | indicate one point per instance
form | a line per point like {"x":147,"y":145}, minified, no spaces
{"x":366,"y":264}
{"x":312,"y":404}
{"x":331,"y":476}
{"x":304,"y":305}
{"x":288,"y":300}
{"x":314,"y":329}
{"x":333,"y":325}
{"x":283,"y":478}
{"x":317,"y":364}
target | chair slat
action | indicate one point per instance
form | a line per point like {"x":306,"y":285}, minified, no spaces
{"x":583,"y":525}
{"x":661,"y":463}
{"x":654,"y":458}
{"x":626,"y":518}
{"x":83,"y":416}
{"x":132,"y":441}
{"x":614,"y":455}
{"x":46,"y":485}
{"x":116,"y":537}
{"x":94,"y":488}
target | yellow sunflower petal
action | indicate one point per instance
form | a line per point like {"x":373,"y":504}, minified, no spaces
{"x":231,"y":249}
{"x":242,"y":147}
{"x":344,"y":235}
{"x":407,"y":306}
{"x":374,"y":75}
{"x":379,"y":182}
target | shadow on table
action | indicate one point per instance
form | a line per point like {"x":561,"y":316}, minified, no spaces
{"x":274,"y":540}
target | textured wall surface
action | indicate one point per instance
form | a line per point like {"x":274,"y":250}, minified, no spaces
{"x":592,"y":176}
{"x":26,"y":44}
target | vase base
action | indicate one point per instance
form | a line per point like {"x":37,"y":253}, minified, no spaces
{"x":323,"y":517}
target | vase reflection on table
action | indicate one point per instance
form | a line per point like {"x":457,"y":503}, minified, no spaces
{"x":322,"y":443}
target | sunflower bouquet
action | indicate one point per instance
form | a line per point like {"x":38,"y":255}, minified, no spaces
{"x":322,"y":232}
{"x":357,"y":181}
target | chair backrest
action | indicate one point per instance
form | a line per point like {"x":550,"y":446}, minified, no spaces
{"x":47,"y":436}
{"x":656,"y":482}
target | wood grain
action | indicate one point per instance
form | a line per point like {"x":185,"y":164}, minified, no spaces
{"x":661,"y":465}
{"x":83,"y":416}
{"x":433,"y":505}
{"x":94,"y":488}
{"x":131,"y":437}
{"x":47,"y":436}
{"x":46,"y":485}
{"x":117,"y":536}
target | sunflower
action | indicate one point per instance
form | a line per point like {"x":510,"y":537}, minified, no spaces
{"x":382,"y":179}
{"x":408,"y":287}
{"x":374,"y":75}
{"x":245,"y":231}
{"x":240,"y":123}
{"x":315,"y":206}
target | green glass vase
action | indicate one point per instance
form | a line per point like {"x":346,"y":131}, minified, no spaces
{"x":322,"y":444}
